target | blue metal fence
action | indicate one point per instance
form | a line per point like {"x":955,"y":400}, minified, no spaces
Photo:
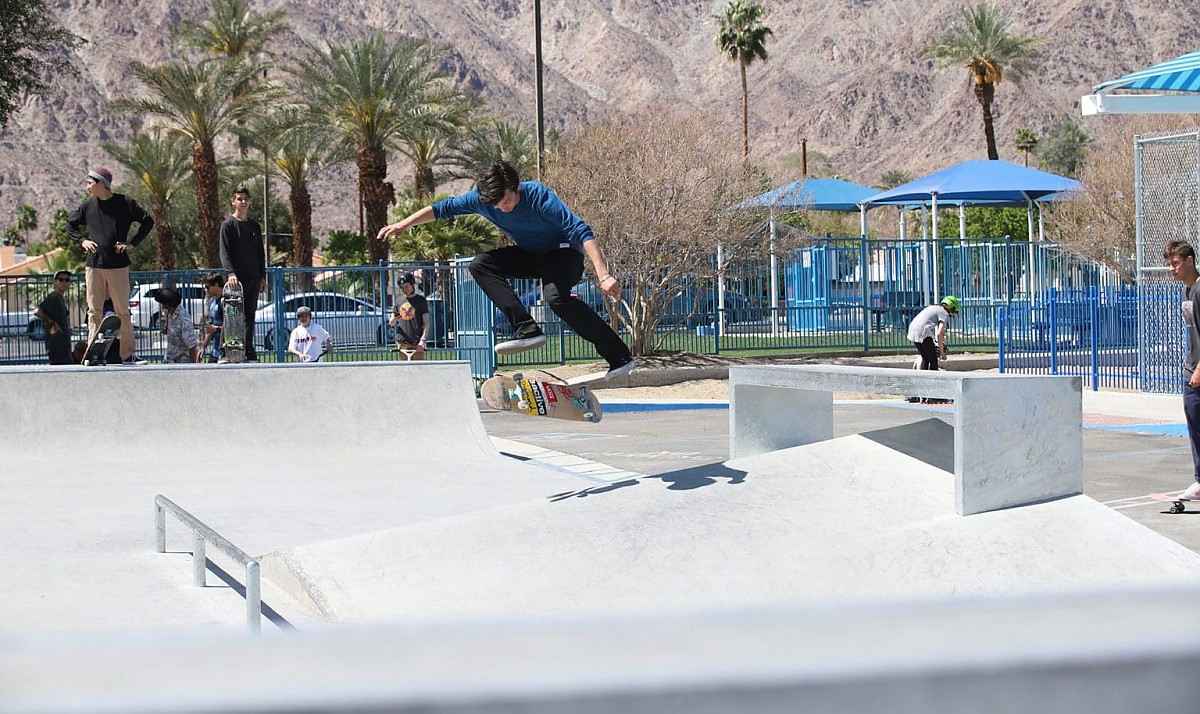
{"x":836,"y":295}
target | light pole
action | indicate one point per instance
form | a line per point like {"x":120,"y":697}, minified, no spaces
{"x":537,"y":94}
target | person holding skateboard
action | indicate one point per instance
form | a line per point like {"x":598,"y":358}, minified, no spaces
{"x":177,"y":328}
{"x":550,"y":242}
{"x":1181,"y":260}
{"x":53,"y":313}
{"x":410,"y":319}
{"x":928,"y":324}
{"x":309,"y":341}
{"x":243,"y":256}
{"x":108,"y":217}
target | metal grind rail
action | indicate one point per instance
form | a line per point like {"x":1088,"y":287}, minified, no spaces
{"x":201,"y":536}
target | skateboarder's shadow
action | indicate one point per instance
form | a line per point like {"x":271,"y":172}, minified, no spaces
{"x":697,"y":476}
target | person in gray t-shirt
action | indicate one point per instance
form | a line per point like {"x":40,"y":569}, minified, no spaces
{"x":1181,"y":259}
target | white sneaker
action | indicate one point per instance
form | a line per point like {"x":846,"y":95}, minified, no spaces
{"x":1192,"y":493}
{"x":621,"y":369}
{"x":521,"y":344}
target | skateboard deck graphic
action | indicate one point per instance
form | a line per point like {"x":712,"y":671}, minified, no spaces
{"x":97,"y":351}
{"x":1175,"y":501}
{"x":233,"y":333}
{"x":541,"y":398}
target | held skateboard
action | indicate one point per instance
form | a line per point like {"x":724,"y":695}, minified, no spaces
{"x":233,"y":332}
{"x":539,"y":398}
{"x":97,"y":351}
{"x":1175,"y":501}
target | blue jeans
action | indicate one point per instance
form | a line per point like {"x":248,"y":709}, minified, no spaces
{"x":1191,"y":412}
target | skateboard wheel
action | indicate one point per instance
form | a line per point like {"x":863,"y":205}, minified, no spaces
{"x":1177,"y":507}
{"x":518,"y":377}
{"x":522,"y":405}
{"x":590,"y":416}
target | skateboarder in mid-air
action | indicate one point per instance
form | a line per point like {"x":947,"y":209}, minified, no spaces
{"x":550,"y":245}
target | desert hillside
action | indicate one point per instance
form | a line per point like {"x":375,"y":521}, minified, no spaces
{"x":842,"y":73}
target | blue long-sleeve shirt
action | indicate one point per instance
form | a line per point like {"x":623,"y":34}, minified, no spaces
{"x":540,"y":222}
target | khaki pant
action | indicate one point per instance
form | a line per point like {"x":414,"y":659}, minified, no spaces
{"x":109,"y":284}
{"x":407,"y":346}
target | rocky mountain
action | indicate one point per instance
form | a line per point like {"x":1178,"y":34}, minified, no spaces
{"x":844,"y":74}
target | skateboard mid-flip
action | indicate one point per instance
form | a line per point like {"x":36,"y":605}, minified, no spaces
{"x":1175,"y":501}
{"x":97,"y":350}
{"x":233,"y":334}
{"x":541,"y":398}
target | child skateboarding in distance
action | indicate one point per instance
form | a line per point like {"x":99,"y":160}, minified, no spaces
{"x":550,"y":242}
{"x":309,"y":341}
{"x":1181,"y":260}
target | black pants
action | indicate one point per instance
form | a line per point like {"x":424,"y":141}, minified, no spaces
{"x":929,"y":353}
{"x":559,"y":271}
{"x":1191,"y":412}
{"x":59,"y":352}
{"x":249,"y":307}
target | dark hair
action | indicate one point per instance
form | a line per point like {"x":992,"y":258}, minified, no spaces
{"x":240,"y":189}
{"x":168,"y":297}
{"x":213,"y":279}
{"x":1180,"y":248}
{"x":494,"y":180}
{"x":63,"y":273}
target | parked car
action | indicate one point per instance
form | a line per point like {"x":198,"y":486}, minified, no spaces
{"x":20,"y":323}
{"x":144,"y":310}
{"x":353,"y":322}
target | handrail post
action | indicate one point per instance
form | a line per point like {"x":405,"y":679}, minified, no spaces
{"x":160,"y":529}
{"x":253,"y":597}
{"x":199,"y":561}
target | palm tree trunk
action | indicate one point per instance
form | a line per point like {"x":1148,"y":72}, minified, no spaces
{"x":204,"y":169}
{"x":985,"y":92}
{"x":165,"y":233}
{"x":423,"y":185}
{"x":745,"y":112}
{"x":372,"y":171}
{"x":300,"y":202}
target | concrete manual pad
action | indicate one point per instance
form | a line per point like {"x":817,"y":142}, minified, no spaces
{"x":846,"y":519}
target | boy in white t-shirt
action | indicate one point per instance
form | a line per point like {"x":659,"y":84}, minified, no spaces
{"x":309,"y":341}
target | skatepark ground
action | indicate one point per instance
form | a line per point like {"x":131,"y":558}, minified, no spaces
{"x":364,"y":513}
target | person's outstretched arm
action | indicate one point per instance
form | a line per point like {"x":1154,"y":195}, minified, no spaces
{"x":425,"y":215}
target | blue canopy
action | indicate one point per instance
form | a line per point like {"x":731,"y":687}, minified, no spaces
{"x":814,"y":194}
{"x":1181,"y":74}
{"x":994,"y":183}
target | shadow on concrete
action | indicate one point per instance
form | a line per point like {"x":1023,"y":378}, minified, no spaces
{"x":697,"y":476}
{"x":929,"y":440}
{"x":594,"y":490}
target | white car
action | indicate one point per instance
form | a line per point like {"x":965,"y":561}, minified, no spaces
{"x":144,"y":310}
{"x":353,"y":322}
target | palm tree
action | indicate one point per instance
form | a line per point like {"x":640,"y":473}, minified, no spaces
{"x":232,"y":30}
{"x":1026,"y":143}
{"x":161,"y":161}
{"x":295,"y":150}
{"x":200,"y":102}
{"x":893,"y":178}
{"x":743,"y":38}
{"x":235,"y":33}
{"x":499,"y":140}
{"x":442,"y":240}
{"x":428,"y":144}
{"x":27,"y":220}
{"x":982,"y":41}
{"x":370,"y":93}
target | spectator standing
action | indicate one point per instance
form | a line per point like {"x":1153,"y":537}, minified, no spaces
{"x":410,"y":318}
{"x":177,"y":328}
{"x":210,"y":343}
{"x":1181,"y":260}
{"x":244,"y":257}
{"x":309,"y":341}
{"x":56,"y":320}
{"x":108,"y":217}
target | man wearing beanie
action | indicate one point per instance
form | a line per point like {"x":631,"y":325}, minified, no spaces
{"x":108,"y":217}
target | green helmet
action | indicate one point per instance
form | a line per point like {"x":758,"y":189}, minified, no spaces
{"x":951,"y":302}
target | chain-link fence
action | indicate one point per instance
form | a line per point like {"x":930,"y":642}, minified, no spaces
{"x":1167,"y":190}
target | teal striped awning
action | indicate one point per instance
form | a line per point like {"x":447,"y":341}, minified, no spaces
{"x":1181,"y":74}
